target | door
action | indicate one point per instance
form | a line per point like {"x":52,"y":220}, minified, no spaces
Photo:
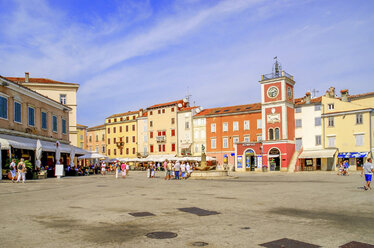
{"x":330,"y":164}
{"x":318,"y":163}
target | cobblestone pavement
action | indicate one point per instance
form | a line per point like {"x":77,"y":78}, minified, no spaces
{"x":318,"y":208}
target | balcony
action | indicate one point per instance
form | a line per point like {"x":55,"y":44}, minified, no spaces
{"x":276,"y":75}
{"x":120,"y":144}
{"x":161,"y":138}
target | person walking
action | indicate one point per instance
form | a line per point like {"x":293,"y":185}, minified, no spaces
{"x":103,"y":168}
{"x":177,"y":168}
{"x":127,"y":169}
{"x":21,"y":168}
{"x":183,"y":170}
{"x":123,"y":170}
{"x":13,"y":171}
{"x":368,"y":169}
{"x":118,"y":169}
{"x":168,"y":170}
{"x":346,"y":166}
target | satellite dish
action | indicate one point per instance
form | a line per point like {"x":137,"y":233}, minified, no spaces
{"x":180,"y":105}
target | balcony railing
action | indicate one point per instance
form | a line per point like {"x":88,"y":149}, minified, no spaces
{"x":276,"y":75}
{"x":161,"y":138}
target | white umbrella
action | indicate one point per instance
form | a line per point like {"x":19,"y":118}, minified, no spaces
{"x":58,"y":152}
{"x":72,"y":155}
{"x":38,"y":153}
{"x":92,"y":155}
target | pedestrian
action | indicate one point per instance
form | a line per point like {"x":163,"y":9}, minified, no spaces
{"x":13,"y":171}
{"x":177,"y":168}
{"x":21,"y":168}
{"x":153,"y":168}
{"x":118,"y":168}
{"x":188,"y":169}
{"x":346,"y":166}
{"x":183,"y":170}
{"x":368,"y":169}
{"x":169,"y":168}
{"x":341,"y":168}
{"x":123,"y":169}
{"x":158,"y":166}
{"x":127,"y":169}
{"x":103,"y":168}
{"x":149,"y":170}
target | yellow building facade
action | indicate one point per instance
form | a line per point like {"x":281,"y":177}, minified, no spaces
{"x":121,"y":135}
{"x":163,"y":127}
{"x":82,"y":136}
{"x":348,"y":126}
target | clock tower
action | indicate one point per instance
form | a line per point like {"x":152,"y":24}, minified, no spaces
{"x":278,"y":118}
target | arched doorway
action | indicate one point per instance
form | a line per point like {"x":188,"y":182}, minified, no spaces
{"x":250,"y":160}
{"x":274,"y":159}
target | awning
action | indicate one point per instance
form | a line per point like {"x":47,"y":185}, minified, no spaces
{"x":19,"y":142}
{"x":352,"y":154}
{"x":325,"y":153}
{"x":185,"y":145}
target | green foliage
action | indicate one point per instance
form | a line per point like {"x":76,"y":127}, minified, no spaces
{"x":28,"y":164}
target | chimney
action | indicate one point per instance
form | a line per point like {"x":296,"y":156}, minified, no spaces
{"x":307,"y":97}
{"x":26,"y":77}
{"x":140,"y":112}
{"x":331,"y":92}
{"x":344,"y":95}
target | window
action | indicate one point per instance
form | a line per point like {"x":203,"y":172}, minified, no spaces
{"x":298,"y":123}
{"x":17,"y":112}
{"x":127,"y":139}
{"x":187,"y":125}
{"x":330,"y":106}
{"x":120,"y":151}
{"x":108,"y":130}
{"x":359,"y":119}
{"x":127,"y":151}
{"x":103,"y":137}
{"x":196,"y":148}
{"x":90,"y":138}
{"x":120,"y":129}
{"x":202,"y":134}
{"x":81,"y":137}
{"x":163,"y":111}
{"x":246,"y":138}
{"x":97,"y":138}
{"x":172,"y":120}
{"x":120,"y":139}
{"x":331,"y":121}
{"x":151,"y":123}
{"x":299,"y":144}
{"x":317,"y":107}
{"x":121,"y":119}
{"x":151,"y":148}
{"x":159,"y":111}
{"x":133,"y":127}
{"x":259,"y":123}
{"x":109,"y":121}
{"x":225,"y":142}
{"x":108,"y":151}
{"x":115,"y":119}
{"x":225,"y":127}
{"x":331,"y":141}
{"x":163,"y":148}
{"x":102,"y":149}
{"x":63,"y":126}
{"x":318,"y":140}
{"x":114,"y":152}
{"x":235,"y":139}
{"x":235,"y":126}
{"x":108,"y":140}
{"x":359,"y":139}
{"x":62,"y":98}
{"x":54,"y":123}
{"x":213,"y":144}
{"x":127,"y":128}
{"x":150,"y":113}
{"x":172,"y":132}
{"x":114,"y":140}
{"x":271,"y":134}
{"x":32,"y":117}
{"x":196,"y":134}
{"x":317,"y":121}
{"x":246,"y":125}
{"x":276,"y":133}
{"x":133,"y":150}
{"x":3,"y":107}
{"x":213,"y":127}
{"x":172,"y":109}
{"x":298,"y":110}
{"x":133,"y":139}
{"x":97,"y":148}
{"x":173,"y":147}
{"x":114,"y":129}
{"x":259,"y":137}
{"x":150,"y":135}
{"x":127,"y":118}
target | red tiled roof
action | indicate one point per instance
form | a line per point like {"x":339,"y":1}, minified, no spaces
{"x":165,"y":104}
{"x":79,"y":125}
{"x":124,"y":114}
{"x":230,"y":109}
{"x":96,"y":127}
{"x":361,"y":95}
{"x":300,"y":101}
{"x":188,"y":108}
{"x":37,"y":80}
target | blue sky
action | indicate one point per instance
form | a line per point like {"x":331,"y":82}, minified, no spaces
{"x":132,"y":54}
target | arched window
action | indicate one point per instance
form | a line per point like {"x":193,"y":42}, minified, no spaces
{"x":277,"y":133}
{"x":271,"y":134}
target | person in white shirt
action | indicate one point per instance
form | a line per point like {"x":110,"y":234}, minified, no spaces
{"x":368,"y":169}
{"x":127,"y":169}
{"x":188,"y":169}
{"x":183,"y":170}
{"x":13,"y":170}
{"x":177,"y":168}
{"x":103,"y":168}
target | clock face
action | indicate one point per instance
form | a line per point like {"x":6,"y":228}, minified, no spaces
{"x":273,"y":91}
{"x":289,"y":92}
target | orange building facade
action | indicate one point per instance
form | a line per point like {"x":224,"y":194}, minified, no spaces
{"x":227,"y":126}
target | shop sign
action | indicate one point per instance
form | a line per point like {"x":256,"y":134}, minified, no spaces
{"x":352,"y":154}
{"x":249,"y":144}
